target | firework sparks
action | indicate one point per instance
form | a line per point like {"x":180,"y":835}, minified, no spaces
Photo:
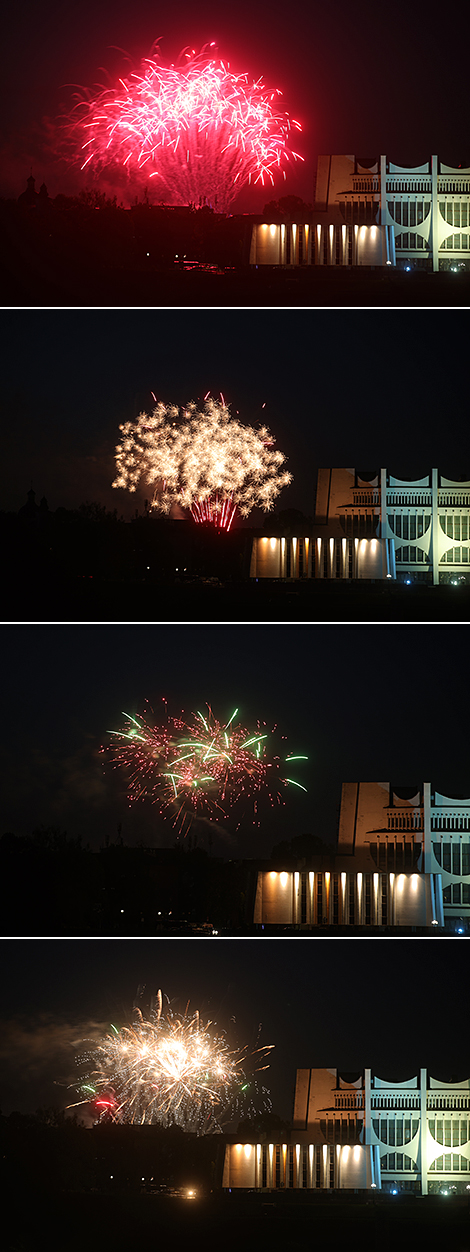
{"x":170,"y":1069}
{"x":199,"y":765}
{"x":207,"y":462}
{"x":199,"y":130}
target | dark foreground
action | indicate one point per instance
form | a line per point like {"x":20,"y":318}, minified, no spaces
{"x":30,"y":283}
{"x":99,"y":1222}
{"x":88,"y":599}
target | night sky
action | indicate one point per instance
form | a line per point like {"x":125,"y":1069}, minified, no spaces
{"x":361,"y":79}
{"x":363,"y":702}
{"x":354,"y":389}
{"x":345,"y":1003}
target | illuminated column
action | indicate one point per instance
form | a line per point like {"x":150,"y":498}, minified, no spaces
{"x":375,"y":882}
{"x":383,"y":191}
{"x":359,"y":899}
{"x":308,"y":245}
{"x":383,"y":503}
{"x":282,"y":559}
{"x":427,"y":845}
{"x":423,"y":1135}
{"x":311,"y":889}
{"x":435,"y":530}
{"x":434,"y":211}
{"x":293,"y":257}
{"x":331,"y":245}
{"x":343,"y":881}
{"x":367,"y":1107}
{"x":319,"y":249}
{"x":391,"y":896}
{"x":319,"y":569}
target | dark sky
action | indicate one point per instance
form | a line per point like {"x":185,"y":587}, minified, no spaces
{"x":361,"y":79}
{"x":341,"y":388}
{"x":334,"y":1002}
{"x":363,"y":702}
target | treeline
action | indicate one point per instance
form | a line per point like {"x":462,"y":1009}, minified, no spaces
{"x":48,"y":1151}
{"x":93,"y":542}
{"x":52,"y":885}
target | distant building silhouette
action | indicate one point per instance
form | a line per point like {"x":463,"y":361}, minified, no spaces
{"x":29,"y":198}
{"x":32,"y":199}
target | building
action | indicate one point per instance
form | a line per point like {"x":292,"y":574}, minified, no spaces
{"x":402,"y":860}
{"x":370,"y":524}
{"x":364,"y":1132}
{"x":369,"y":211}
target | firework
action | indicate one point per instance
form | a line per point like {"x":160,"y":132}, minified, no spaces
{"x":199,"y":130}
{"x":200,"y":764}
{"x":205,"y":461}
{"x":170,"y":1069}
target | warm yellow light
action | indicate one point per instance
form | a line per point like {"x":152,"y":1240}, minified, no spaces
{"x":247,"y":1150}
{"x":273,"y":873}
{"x":272,"y":231}
{"x":284,"y":879}
{"x":273,"y":544}
{"x":357,"y":1153}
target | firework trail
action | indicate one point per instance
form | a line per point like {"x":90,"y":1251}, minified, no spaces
{"x":206,"y":461}
{"x":199,"y":765}
{"x":170,"y":1069}
{"x":199,"y":130}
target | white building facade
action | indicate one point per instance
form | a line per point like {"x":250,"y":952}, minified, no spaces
{"x":402,"y":860}
{"x":373,"y":212}
{"x":374,"y":525}
{"x":364,"y":1133}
